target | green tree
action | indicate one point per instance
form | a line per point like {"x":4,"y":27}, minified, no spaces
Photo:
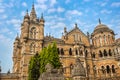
{"x":37,"y":63}
{"x":34,"y":66}
{"x":49,"y":55}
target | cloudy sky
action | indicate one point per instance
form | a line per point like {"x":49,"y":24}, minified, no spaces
{"x":57,"y":14}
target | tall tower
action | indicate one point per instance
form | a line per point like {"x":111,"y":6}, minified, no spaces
{"x":31,"y":40}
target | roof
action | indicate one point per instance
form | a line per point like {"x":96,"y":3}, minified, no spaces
{"x":74,"y":29}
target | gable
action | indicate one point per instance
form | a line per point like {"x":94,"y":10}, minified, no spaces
{"x":76,"y":35}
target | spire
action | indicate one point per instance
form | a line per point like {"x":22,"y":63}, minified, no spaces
{"x":33,"y":13}
{"x":42,"y":18}
{"x":17,"y":37}
{"x":99,"y":21}
{"x":27,"y":15}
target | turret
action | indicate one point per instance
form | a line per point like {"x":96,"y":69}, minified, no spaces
{"x":16,"y":42}
{"x":26,"y":17}
{"x":25,"y":26}
{"x":41,"y":22}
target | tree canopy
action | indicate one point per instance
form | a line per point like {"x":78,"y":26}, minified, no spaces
{"x":37,"y":64}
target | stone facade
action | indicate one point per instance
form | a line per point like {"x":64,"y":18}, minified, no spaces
{"x":98,"y":52}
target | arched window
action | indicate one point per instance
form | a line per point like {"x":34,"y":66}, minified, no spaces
{"x":113,"y":69}
{"x":33,"y":33}
{"x":110,"y":53}
{"x":62,"y":51}
{"x":103,"y":69}
{"x":104,"y":39}
{"x":100,"y":53}
{"x":76,"y":51}
{"x":81,"y":53}
{"x":105,"y":52}
{"x":32,"y":48}
{"x":88,"y":68}
{"x":71,"y":67}
{"x":58,"y":50}
{"x":93,"y":55}
{"x":95,"y":69}
{"x":108,"y":69}
{"x":86,"y":53}
{"x":70,"y":51}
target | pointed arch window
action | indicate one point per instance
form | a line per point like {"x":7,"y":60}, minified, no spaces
{"x":100,"y":53}
{"x":33,"y":32}
{"x":93,"y":55}
{"x":76,"y":51}
{"x":108,"y":69}
{"x":86,"y":53}
{"x":110,"y":53}
{"x":81,"y":53}
{"x":70,"y":51}
{"x":62,"y":51}
{"x":113,"y":69}
{"x":103,"y":69}
{"x":58,"y":50}
{"x":105,"y":52}
{"x":71,"y":67}
{"x":32,"y":48}
{"x":104,"y":39}
{"x":95,"y":69}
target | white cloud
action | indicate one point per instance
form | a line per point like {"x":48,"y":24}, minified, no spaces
{"x":102,"y":4}
{"x":86,"y":0}
{"x":24,"y":4}
{"x":74,"y":12}
{"x":5,"y":30}
{"x":67,"y":1}
{"x":115,"y":4}
{"x":23,"y":13}
{"x":2,"y":10}
{"x":58,"y":25}
{"x":4,"y":16}
{"x":41,"y":1}
{"x":4,"y":39}
{"x":59,"y":9}
{"x":41,"y":6}
{"x":51,"y":10}
{"x":52,"y":2}
{"x":15,"y":23}
{"x":106,"y":11}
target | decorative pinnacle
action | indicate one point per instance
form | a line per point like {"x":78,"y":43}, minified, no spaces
{"x":41,"y":15}
{"x":99,"y":21}
{"x":75,"y":25}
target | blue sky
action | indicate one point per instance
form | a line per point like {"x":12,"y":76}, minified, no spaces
{"x":57,"y":14}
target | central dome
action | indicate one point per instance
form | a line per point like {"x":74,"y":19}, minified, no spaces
{"x":102,"y":28}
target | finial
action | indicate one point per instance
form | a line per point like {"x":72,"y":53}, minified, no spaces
{"x":17,"y":35}
{"x":41,"y":15}
{"x":33,"y":2}
{"x":27,"y":11}
{"x":99,"y":21}
{"x":75,"y":25}
{"x":65,"y":30}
